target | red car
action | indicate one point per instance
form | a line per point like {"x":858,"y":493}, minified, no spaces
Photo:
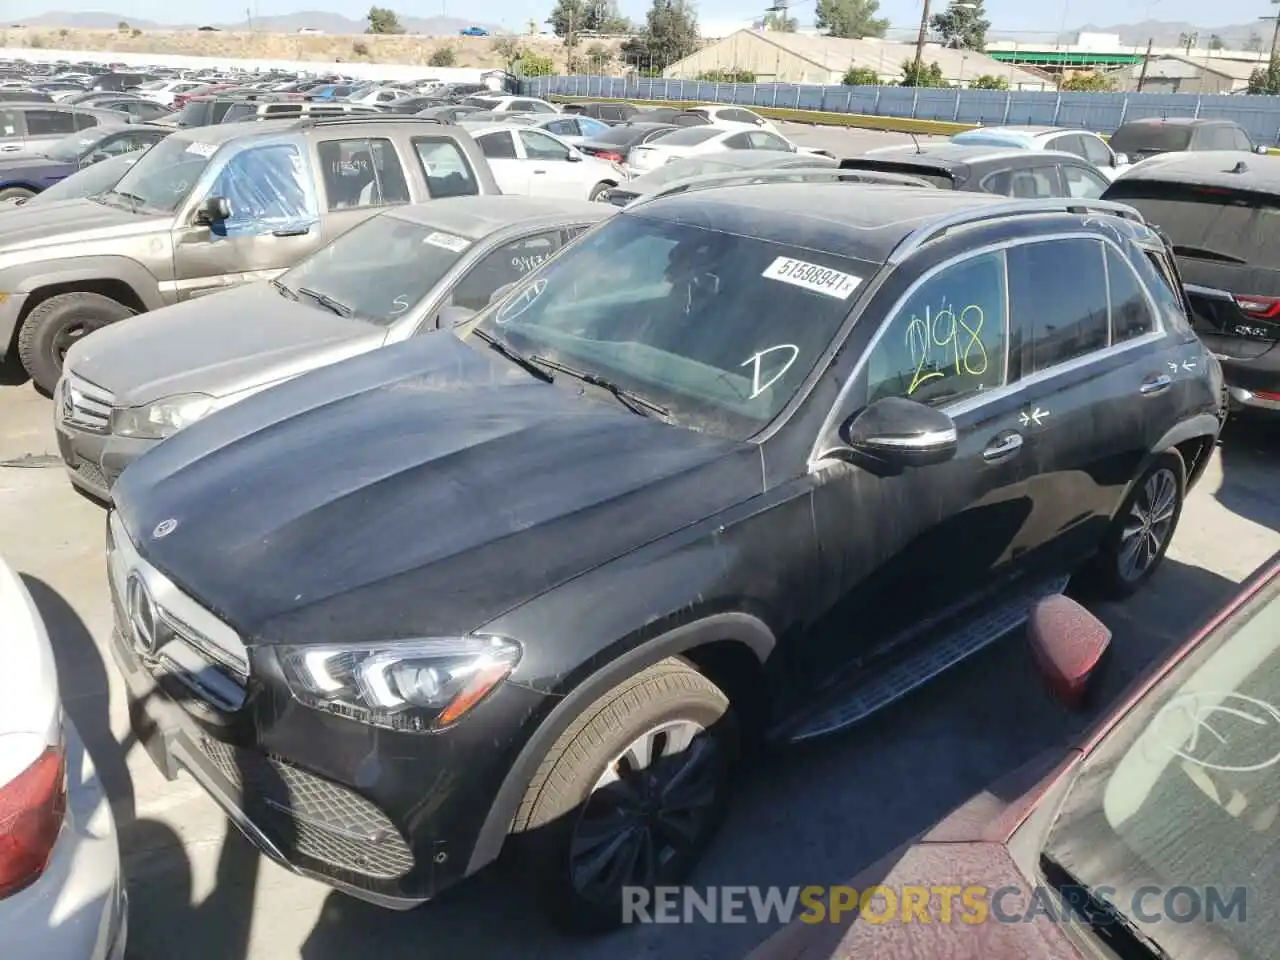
{"x":1157,"y":836}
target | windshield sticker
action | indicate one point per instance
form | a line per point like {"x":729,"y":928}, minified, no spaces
{"x":812,"y":276}
{"x":759,"y":386}
{"x":447,"y":241}
{"x":205,"y":150}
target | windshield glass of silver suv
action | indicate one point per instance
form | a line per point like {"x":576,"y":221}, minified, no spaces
{"x":161,"y":180}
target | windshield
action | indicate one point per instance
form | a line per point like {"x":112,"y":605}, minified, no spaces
{"x":1139,"y":138}
{"x":1182,"y":795}
{"x":1206,"y":223}
{"x":161,"y":180}
{"x":90,"y":181}
{"x":71,"y":149}
{"x":688,"y":136}
{"x":380,"y":269}
{"x":718,"y":328}
{"x":195,"y":113}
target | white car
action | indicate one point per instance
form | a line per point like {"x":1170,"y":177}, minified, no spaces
{"x":164,"y":91}
{"x":61,"y":893}
{"x":729,"y":117}
{"x":696,"y":141}
{"x":1083,"y":143}
{"x":377,"y":95}
{"x":502,"y":104}
{"x":568,"y":127}
{"x":534,"y":163}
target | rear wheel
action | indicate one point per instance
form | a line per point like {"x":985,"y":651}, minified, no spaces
{"x":51,"y":329}
{"x":1142,"y":530}
{"x":629,"y":796}
{"x":599,"y":190}
{"x":16,"y":193}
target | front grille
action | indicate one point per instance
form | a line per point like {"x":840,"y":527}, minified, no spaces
{"x":318,"y":818}
{"x":86,"y":405}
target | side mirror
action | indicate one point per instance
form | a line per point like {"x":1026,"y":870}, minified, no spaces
{"x":453,"y":316}
{"x":501,"y":292}
{"x":898,"y":433}
{"x":214,"y":210}
{"x":1262,"y":149}
{"x":1068,"y":644}
{"x":1119,"y":160}
{"x":575,"y":156}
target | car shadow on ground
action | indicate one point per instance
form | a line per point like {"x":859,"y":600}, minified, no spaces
{"x":1250,"y":455}
{"x":816,"y":814}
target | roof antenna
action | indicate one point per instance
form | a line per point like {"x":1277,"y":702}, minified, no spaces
{"x":916,"y":141}
{"x":1240,"y":167}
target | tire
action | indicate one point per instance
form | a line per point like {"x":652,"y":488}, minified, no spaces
{"x":662,"y":706}
{"x":51,"y":328}
{"x":599,"y":190}
{"x":1143,"y":528}
{"x":16,"y":193}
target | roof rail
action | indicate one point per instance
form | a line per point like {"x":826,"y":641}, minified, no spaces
{"x":707,"y":181}
{"x":1014,"y":208}
{"x":314,"y":120}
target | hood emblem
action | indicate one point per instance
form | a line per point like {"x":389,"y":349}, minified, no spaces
{"x":68,"y":402}
{"x":164,"y":528}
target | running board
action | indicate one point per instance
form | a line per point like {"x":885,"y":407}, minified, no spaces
{"x":873,"y":689}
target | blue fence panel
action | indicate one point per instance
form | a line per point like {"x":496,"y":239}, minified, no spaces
{"x":1103,"y":112}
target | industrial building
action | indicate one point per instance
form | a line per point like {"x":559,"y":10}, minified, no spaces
{"x":1178,"y":73}
{"x":775,"y":56}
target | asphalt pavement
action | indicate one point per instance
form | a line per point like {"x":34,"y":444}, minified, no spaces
{"x":809,"y":816}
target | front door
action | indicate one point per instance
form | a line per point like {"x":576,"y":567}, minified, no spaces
{"x":273,"y":223}
{"x":900,"y":548}
{"x":553,"y":173}
{"x":511,"y":173}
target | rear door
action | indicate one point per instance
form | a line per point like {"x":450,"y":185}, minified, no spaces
{"x":1097,"y":389}
{"x":358,"y":177}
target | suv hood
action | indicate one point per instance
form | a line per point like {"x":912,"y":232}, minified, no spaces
{"x":218,"y":345}
{"x":421,"y":489}
{"x":54,"y":225}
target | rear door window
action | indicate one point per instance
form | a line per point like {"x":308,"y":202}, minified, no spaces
{"x":445,"y":166}
{"x":362,"y":173}
{"x":1058,"y":297}
{"x":497,"y":146}
{"x":43,"y":123}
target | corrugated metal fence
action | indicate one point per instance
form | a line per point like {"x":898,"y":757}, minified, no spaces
{"x":1102,"y":112}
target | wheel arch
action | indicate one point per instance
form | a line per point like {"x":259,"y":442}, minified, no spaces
{"x":729,"y":648}
{"x":1191,"y":440}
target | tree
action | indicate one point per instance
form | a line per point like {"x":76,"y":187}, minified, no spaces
{"x":988,"y":82}
{"x":731,"y":75}
{"x":123,"y":26}
{"x":851,"y":18}
{"x":916,"y":74}
{"x":1086,"y":82}
{"x":1265,"y":81}
{"x":444,"y":56}
{"x":780,"y":20}
{"x":1215,"y":42}
{"x":860,"y":77}
{"x":507,"y":48}
{"x":535,"y":65}
{"x":1188,"y":40}
{"x":670,"y":33}
{"x":572,"y":17}
{"x":962,"y":26}
{"x":599,"y":57}
{"x":383,"y":20}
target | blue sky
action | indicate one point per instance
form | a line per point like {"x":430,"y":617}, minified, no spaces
{"x":1005,"y":14}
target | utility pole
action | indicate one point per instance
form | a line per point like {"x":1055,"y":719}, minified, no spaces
{"x":1275,"y":35}
{"x":924,"y":29}
{"x":1146,"y":62}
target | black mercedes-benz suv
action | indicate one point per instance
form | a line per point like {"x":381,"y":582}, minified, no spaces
{"x":1221,"y":212}
{"x":743,"y":463}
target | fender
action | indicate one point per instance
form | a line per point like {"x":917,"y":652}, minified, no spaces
{"x":1201,"y":425}
{"x":22,"y":184}
{"x":29,"y":277}
{"x":745,"y":628}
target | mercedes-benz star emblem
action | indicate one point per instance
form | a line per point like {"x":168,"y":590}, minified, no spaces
{"x":164,"y":528}
{"x":143,"y":621}
{"x":68,"y":403}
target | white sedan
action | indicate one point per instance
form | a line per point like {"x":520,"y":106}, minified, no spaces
{"x":165,"y":91}
{"x":729,"y":117}
{"x":532,"y":162}
{"x":61,"y":893}
{"x":696,"y":141}
{"x":566,"y":126}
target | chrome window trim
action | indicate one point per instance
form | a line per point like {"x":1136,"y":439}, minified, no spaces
{"x":816,"y":461}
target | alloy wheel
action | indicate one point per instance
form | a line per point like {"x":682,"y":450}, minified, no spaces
{"x":1149,"y":524}
{"x":648,"y":812}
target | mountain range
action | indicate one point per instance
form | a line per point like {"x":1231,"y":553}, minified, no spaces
{"x":332,"y":23}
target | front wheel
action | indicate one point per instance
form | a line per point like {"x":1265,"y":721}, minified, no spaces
{"x":629,"y":796}
{"x":16,"y":193}
{"x":1142,"y":530}
{"x":599,"y":193}
{"x":49,"y":331}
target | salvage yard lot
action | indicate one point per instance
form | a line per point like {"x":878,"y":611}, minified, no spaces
{"x":815,"y":815}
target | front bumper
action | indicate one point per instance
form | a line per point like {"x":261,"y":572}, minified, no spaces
{"x":94,"y":461}
{"x":77,"y":908}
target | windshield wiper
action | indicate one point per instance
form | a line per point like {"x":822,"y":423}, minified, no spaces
{"x":1205,"y":253}
{"x":283,"y":290}
{"x":326,"y":301}
{"x":629,"y":398}
{"x":514,"y":355}
{"x":132,"y":199}
{"x":1118,"y":930}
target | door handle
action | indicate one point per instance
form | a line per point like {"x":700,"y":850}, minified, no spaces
{"x":291,"y":232}
{"x":1155,"y":385}
{"x":539,"y":171}
{"x":1003,"y":445}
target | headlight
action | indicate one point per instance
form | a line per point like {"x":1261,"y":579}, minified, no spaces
{"x":409,"y":685}
{"x":163,"y":418}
